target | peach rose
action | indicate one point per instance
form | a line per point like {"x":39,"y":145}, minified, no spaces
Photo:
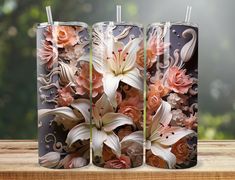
{"x":123,"y":162}
{"x":154,"y":101}
{"x":83,"y":81}
{"x":65,"y":36}
{"x":48,"y":54}
{"x":158,"y":88}
{"x":191,"y":123}
{"x":132,"y":108}
{"x":155,"y":161}
{"x":150,"y":59}
{"x":181,"y":150}
{"x":65,"y":98}
{"x":125,"y":131}
{"x":178,"y":81}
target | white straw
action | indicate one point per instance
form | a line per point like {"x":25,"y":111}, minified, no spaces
{"x":188,"y":14}
{"x":49,"y":15}
{"x":119,"y":13}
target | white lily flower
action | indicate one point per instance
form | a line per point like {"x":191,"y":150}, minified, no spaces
{"x":105,"y":121}
{"x":67,"y":116}
{"x":116,"y":62}
{"x":160,"y":135}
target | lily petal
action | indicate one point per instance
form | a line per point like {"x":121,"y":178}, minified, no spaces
{"x":83,"y":106}
{"x":79,"y":132}
{"x":98,"y":138}
{"x":113,"y":142}
{"x":133,"y":79}
{"x":164,"y":153}
{"x":65,"y":112}
{"x":173,"y":135}
{"x":110,"y":85}
{"x":113,"y":120}
{"x":136,"y":136}
{"x":162,"y":117}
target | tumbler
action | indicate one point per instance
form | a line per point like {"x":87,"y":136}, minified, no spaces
{"x":63,"y":95}
{"x":172,"y":95}
{"x":117,"y":95}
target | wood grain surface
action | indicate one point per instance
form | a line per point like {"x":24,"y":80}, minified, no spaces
{"x":18,"y":160}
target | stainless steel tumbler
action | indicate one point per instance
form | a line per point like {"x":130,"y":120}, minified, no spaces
{"x":117,"y":95}
{"x":172,"y":95}
{"x":63,"y":95}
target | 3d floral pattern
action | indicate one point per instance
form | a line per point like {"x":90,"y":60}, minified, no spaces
{"x":63,"y":96}
{"x":117,"y":113}
{"x":171,"y":121}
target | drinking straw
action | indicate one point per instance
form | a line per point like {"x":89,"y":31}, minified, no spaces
{"x":49,"y":15}
{"x":119,"y":13}
{"x":188,"y":14}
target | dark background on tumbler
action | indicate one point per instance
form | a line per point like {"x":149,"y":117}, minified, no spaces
{"x":18,"y":20}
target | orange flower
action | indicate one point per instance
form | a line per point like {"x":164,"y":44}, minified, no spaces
{"x":65,"y":98}
{"x":107,"y":153}
{"x":124,"y":132}
{"x":181,"y":150}
{"x":48,"y":54}
{"x":83,"y":81}
{"x":191,"y":123}
{"x":158,"y":88}
{"x":178,"y":81}
{"x":132,"y":108}
{"x":65,"y":36}
{"x":154,"y":101}
{"x":155,"y":161}
{"x":123,"y":162}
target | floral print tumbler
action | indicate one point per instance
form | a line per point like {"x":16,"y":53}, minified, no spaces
{"x":63,"y":95}
{"x":117,"y":95}
{"x":172,"y":82}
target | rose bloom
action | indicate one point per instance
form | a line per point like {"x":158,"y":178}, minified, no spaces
{"x":132,"y":108}
{"x":124,"y":131}
{"x":65,"y":98}
{"x":158,"y":88}
{"x":181,"y":150}
{"x":123,"y":162}
{"x":83,"y":81}
{"x":150,"y":59}
{"x":107,"y":153}
{"x":48,"y":54}
{"x":191,"y":122}
{"x":153,"y":101}
{"x":178,"y":81}
{"x":65,"y":36}
{"x":155,"y":161}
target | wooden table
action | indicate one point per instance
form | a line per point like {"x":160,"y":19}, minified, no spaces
{"x":18,"y":160}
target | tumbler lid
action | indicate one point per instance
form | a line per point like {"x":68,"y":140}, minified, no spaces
{"x":112,"y":23}
{"x":173,"y":23}
{"x":60,"y":23}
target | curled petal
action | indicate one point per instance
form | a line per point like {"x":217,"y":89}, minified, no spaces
{"x":173,"y":134}
{"x":79,"y":132}
{"x":98,"y":138}
{"x":164,"y":153}
{"x":133,"y":79}
{"x":188,"y":49}
{"x":112,"y":141}
{"x":162,"y":117}
{"x":136,"y":137}
{"x":83,"y":106}
{"x":113,"y":120}
{"x":64,"y":112}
